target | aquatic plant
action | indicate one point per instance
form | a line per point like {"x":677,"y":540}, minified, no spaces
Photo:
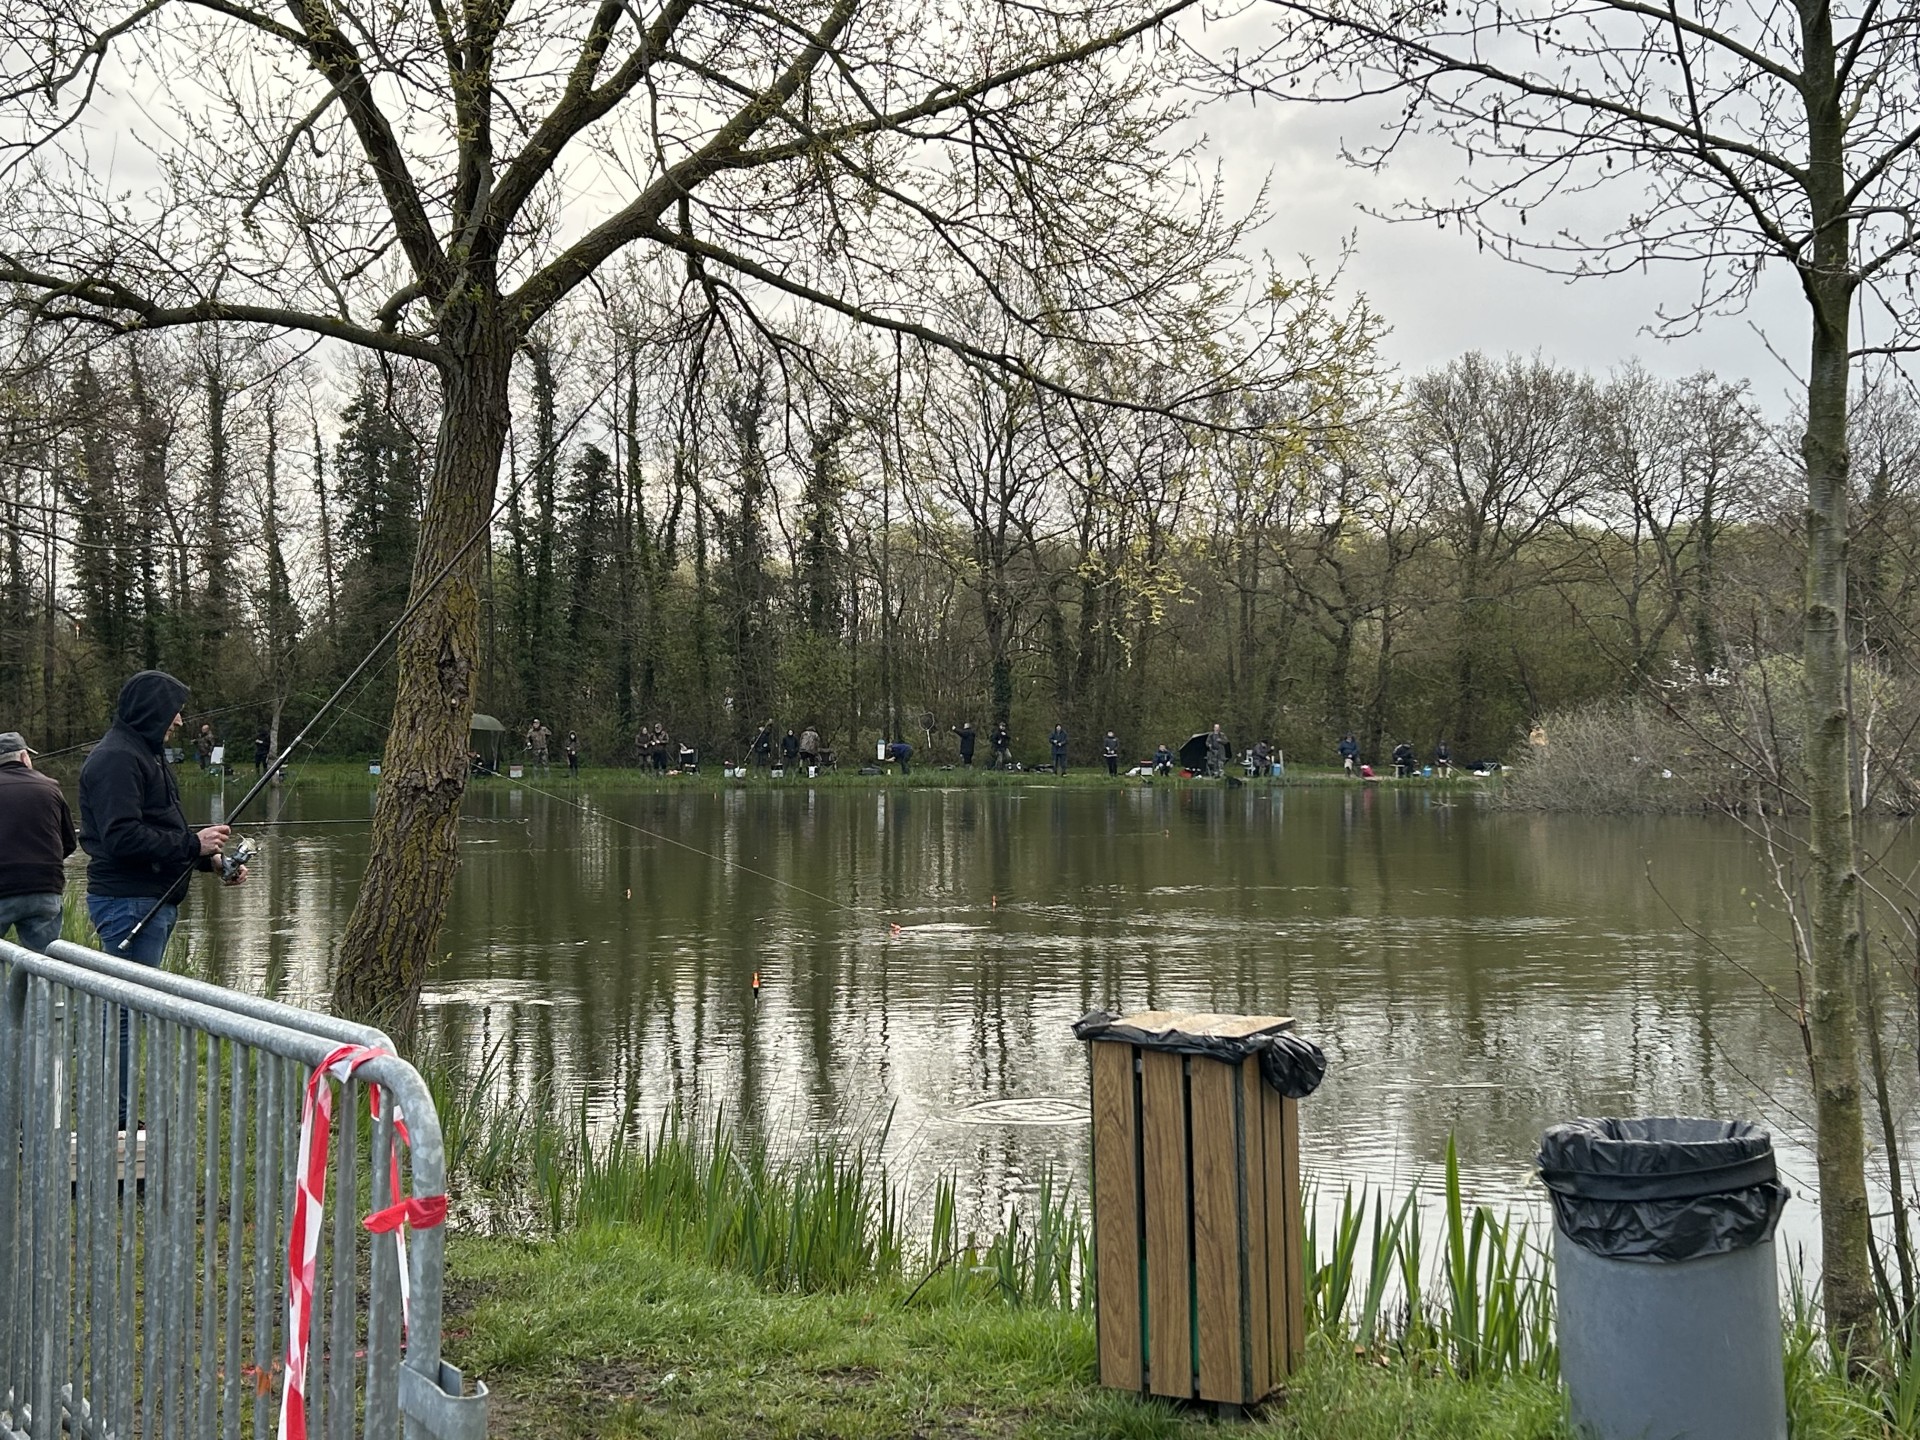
{"x":826,"y":1215}
{"x":1497,"y":1315}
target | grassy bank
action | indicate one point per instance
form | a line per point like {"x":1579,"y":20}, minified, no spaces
{"x":693,"y":1282}
{"x":598,"y":779}
{"x":607,"y":1332}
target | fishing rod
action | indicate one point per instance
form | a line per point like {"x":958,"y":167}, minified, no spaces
{"x":231,"y":864}
{"x":197,"y":715}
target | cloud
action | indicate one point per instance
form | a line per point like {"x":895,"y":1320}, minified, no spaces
{"x":1443,"y":296}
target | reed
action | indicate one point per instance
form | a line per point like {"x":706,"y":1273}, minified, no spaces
{"x":828,"y":1216}
{"x":814,"y":1216}
{"x":1414,"y":1287}
{"x":1826,"y":1399}
{"x":1482,"y":1308}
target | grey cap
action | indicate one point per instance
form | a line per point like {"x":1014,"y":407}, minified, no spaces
{"x":12,"y":743}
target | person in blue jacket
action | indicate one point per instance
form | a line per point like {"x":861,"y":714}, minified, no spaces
{"x":1058,"y":740}
{"x":1163,"y":760}
{"x":902,"y":752}
{"x":1349,"y":752}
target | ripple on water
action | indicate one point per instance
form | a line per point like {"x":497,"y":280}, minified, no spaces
{"x":1026,"y":1110}
{"x":475,"y":993}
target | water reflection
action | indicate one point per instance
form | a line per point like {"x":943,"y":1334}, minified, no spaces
{"x":1469,"y":972}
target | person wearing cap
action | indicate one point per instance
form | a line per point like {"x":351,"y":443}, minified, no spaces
{"x":537,"y":737}
{"x":139,"y":845}
{"x":37,"y":831}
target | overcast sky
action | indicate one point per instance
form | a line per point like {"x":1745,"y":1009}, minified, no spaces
{"x":1442,"y":296}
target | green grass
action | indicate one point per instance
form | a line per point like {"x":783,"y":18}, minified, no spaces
{"x":695,"y":1282}
{"x":604,"y":1332}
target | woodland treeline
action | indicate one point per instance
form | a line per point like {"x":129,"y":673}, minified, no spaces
{"x":704,"y":530}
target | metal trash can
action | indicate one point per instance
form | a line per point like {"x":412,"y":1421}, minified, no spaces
{"x":1668,"y":1296}
{"x":1196,"y":1201}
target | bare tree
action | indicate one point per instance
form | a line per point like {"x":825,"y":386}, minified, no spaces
{"x":1676,"y":465}
{"x":430,"y":181}
{"x":1782,"y":132}
{"x":1497,"y":446}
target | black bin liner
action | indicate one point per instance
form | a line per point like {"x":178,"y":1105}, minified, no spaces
{"x":1289,"y":1063}
{"x":1662,"y":1189}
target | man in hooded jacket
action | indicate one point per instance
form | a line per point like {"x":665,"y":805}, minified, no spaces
{"x":140,"y":848}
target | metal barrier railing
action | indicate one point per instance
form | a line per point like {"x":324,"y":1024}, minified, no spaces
{"x":317,"y":1022}
{"x":144,"y":1285}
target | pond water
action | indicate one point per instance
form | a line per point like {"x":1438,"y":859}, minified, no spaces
{"x":1469,"y":971}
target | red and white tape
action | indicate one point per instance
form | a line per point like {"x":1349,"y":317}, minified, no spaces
{"x":309,"y":1209}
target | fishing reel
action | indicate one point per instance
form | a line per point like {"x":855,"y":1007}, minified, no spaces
{"x":232,"y":864}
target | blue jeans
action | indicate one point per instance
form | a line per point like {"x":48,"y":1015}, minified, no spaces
{"x":114,"y":916}
{"x":35,"y":917}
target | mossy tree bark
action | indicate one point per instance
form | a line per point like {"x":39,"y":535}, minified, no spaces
{"x":391,"y":938}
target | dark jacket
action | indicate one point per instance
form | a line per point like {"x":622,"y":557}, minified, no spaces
{"x":131,"y":823}
{"x":39,"y":832}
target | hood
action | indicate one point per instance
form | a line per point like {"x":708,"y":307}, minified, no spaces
{"x":148,"y":702}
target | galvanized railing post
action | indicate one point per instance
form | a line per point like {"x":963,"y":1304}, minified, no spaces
{"x":149,"y":1255}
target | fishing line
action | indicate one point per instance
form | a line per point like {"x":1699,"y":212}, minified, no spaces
{"x":413,"y":606}
{"x":586,"y":807}
{"x":356,"y":820}
{"x":197,"y":715}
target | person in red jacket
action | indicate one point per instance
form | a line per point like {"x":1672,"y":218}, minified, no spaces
{"x":36,"y":837}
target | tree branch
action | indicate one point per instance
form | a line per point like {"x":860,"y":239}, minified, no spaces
{"x":117,"y":307}
{"x":580,"y":104}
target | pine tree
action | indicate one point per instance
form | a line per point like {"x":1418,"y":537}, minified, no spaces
{"x":376,"y":486}
{"x":103,"y":574}
{"x":587,"y":533}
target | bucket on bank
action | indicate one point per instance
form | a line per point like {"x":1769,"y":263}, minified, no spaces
{"x":1197,"y":1223}
{"x":1668,"y":1296}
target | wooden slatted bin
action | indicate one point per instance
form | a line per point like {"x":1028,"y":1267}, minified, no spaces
{"x":1197,"y":1223}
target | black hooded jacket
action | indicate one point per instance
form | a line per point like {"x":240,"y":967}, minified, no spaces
{"x":131,"y":823}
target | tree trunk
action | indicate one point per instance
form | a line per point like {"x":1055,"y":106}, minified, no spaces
{"x":1833,"y":1005}
{"x":1467,"y":680}
{"x":889,"y":701}
{"x":50,"y":562}
{"x":1376,"y":723}
{"x":390,"y":939}
{"x":1833,"y":1025}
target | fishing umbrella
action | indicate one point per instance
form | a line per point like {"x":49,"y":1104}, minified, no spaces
{"x":1193,"y":754}
{"x":493,"y":729}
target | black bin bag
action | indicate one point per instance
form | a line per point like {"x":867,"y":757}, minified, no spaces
{"x":1290,"y":1063}
{"x":1662,"y":1189}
